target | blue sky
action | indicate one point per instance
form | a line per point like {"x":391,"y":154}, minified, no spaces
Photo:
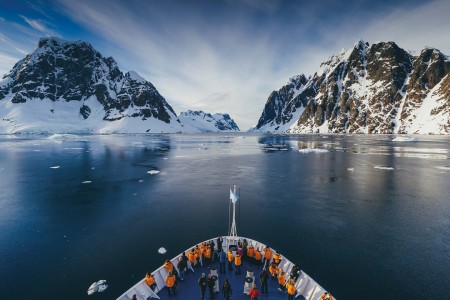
{"x":221,"y":55}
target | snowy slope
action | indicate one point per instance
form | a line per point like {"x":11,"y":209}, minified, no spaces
{"x":377,"y":88}
{"x":69,"y":87}
{"x":199,"y":121}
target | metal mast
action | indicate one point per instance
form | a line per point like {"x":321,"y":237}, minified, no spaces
{"x":234,"y":197}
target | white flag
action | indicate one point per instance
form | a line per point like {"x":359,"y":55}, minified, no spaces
{"x":233,"y":197}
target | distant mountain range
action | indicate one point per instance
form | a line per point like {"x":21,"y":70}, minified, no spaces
{"x":205,"y":122}
{"x":69,"y":87}
{"x":378,"y":88}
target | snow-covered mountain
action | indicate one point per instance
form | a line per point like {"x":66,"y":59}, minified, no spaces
{"x":377,"y":88}
{"x":69,"y":87}
{"x":199,"y":121}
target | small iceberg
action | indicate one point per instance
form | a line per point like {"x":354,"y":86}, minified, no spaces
{"x":98,"y":286}
{"x":153,"y":172}
{"x":350,"y":169}
{"x":384,"y":168}
{"x":404,"y":139}
{"x":444,"y":168}
{"x":55,"y":167}
{"x":312,"y":150}
{"x":162,"y":250}
{"x":86,"y":181}
{"x":275,"y":147}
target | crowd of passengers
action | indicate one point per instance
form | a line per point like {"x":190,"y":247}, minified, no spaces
{"x":207,"y":253}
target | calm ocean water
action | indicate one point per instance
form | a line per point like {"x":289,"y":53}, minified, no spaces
{"x":368,"y":217}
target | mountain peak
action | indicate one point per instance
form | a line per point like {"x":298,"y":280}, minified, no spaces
{"x":64,"y":82}
{"x":360,"y":44}
{"x":379,"y":88}
{"x":52,"y":42}
{"x":135,"y":77}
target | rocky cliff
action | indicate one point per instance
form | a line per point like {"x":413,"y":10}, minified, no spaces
{"x":377,"y":88}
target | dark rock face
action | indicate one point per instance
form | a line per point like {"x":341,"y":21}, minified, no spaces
{"x":226,"y":123}
{"x":74,"y":71}
{"x":369,"y":89}
{"x":282,"y":104}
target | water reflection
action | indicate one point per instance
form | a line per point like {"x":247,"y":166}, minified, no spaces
{"x":335,"y":206}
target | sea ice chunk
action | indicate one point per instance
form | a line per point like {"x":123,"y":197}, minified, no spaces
{"x":153,"y":172}
{"x":384,"y":168}
{"x":312,"y":150}
{"x":98,"y":286}
{"x":162,"y":250}
{"x":404,"y":139}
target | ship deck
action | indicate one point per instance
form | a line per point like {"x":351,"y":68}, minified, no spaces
{"x":189,"y":289}
{"x":306,"y":287}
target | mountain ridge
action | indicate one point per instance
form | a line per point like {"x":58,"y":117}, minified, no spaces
{"x":205,"y":122}
{"x":378,"y":88}
{"x":69,"y":87}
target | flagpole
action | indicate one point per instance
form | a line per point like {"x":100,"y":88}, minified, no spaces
{"x":229,"y":216}
{"x":233,"y":198}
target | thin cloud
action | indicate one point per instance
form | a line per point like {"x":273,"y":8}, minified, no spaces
{"x":416,"y":28}
{"x":8,"y":42}
{"x":6,"y":61}
{"x":189,"y":62}
{"x":40,"y":26}
{"x":228,"y":56}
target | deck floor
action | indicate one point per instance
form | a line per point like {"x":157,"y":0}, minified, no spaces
{"x":189,"y":289}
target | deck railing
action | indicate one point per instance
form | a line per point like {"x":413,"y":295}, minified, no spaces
{"x":305,"y":285}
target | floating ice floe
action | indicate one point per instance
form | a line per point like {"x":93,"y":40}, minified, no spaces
{"x":140,"y":181}
{"x":87,"y":181}
{"x":162,"y":250}
{"x":55,"y":167}
{"x":350,"y":169}
{"x":444,"y":168}
{"x":153,"y":172}
{"x":98,"y":286}
{"x":276,"y":147}
{"x":312,"y":150}
{"x":404,"y":139}
{"x":384,"y":168}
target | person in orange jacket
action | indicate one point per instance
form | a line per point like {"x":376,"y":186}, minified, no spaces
{"x":267,"y":256}
{"x":150,"y":280}
{"x":326,"y":296}
{"x":277,"y":258}
{"x":291,"y":289}
{"x":202,"y":252}
{"x":230,"y":260}
{"x":170,"y":283}
{"x":258,"y":257}
{"x":273,"y":269}
{"x":207,"y":255}
{"x":237,"y":263}
{"x":191,"y":257}
{"x":281,"y":279}
{"x":250,"y":253}
{"x":168,"y":265}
